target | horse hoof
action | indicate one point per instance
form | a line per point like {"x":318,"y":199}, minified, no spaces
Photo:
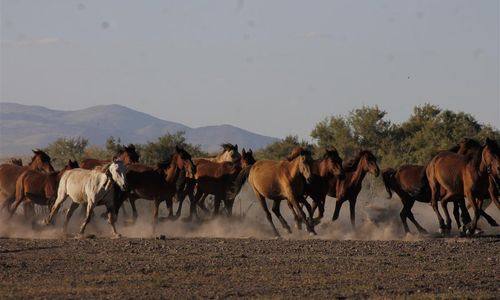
{"x":478,"y":231}
{"x":116,"y":236}
{"x":80,"y":236}
{"x":312,"y":233}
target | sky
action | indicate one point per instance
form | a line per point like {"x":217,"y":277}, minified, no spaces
{"x":271,"y":67}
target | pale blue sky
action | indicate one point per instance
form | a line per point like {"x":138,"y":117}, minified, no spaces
{"x":272,"y":67}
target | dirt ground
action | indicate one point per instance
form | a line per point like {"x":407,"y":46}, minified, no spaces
{"x":249,"y":268}
{"x":240,"y":259}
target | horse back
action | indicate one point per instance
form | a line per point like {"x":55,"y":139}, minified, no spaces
{"x":91,"y":163}
{"x":206,"y":168}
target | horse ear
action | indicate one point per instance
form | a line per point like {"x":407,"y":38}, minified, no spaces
{"x":250,"y":151}
{"x":177,"y":148}
{"x":70,"y":162}
{"x":243,"y":151}
{"x":236,"y":147}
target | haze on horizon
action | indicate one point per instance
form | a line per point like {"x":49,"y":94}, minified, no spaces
{"x":271,"y":67}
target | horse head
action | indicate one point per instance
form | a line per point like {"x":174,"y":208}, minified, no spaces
{"x":334,"y":163}
{"x":247,"y":158}
{"x":128,"y":154}
{"x":304,"y":159}
{"x":230,"y":153}
{"x":184,"y":162}
{"x":491,"y":158}
{"x":41,"y":161}
{"x":369,"y":162}
{"x":117,"y":171}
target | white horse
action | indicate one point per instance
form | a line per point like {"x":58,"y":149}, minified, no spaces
{"x":94,"y":187}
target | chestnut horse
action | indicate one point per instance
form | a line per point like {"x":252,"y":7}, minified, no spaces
{"x":280,"y":180}
{"x":10,"y":172}
{"x":214,"y":178}
{"x":460,"y":176}
{"x":38,"y":188}
{"x":127,"y":155}
{"x":157,"y":184}
{"x":348,"y":188}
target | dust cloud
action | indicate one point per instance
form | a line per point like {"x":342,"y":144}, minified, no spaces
{"x":377,"y":218}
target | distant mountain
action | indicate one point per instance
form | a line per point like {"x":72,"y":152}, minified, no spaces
{"x":24,"y":127}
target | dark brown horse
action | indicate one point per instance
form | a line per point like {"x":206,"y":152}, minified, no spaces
{"x":127,"y":154}
{"x":9,"y":174}
{"x":462,"y":176}
{"x":186,"y":186}
{"x":34,"y":187}
{"x":323,"y":170}
{"x":157,"y":183}
{"x":348,"y":188}
{"x":213,"y":178}
{"x":281,"y":180}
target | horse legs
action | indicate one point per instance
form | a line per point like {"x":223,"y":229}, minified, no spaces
{"x":111,"y":220}
{"x":69,"y":213}
{"x":90,"y":208}
{"x":338,"y":205}
{"x":407,"y":205}
{"x":435,"y":193}
{"x":444,"y":206}
{"x":14,"y":206}
{"x":302,"y":217}
{"x":476,"y":208}
{"x":489,"y":218}
{"x":298,"y":223}
{"x":55,"y":208}
{"x":277,"y":213}
{"x":263,"y":203}
{"x":352,"y":210}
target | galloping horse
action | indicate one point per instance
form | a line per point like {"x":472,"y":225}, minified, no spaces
{"x":280,"y":180}
{"x":93,"y":187}
{"x":349,"y":187}
{"x":409,"y":182}
{"x":157,"y":184}
{"x":186,"y":186}
{"x":323,"y":170}
{"x":10,"y":172}
{"x":215,"y":178}
{"x":33,"y":187}
{"x":127,"y":154}
{"x":462,"y":176}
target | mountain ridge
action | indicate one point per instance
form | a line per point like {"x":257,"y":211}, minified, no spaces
{"x":23,"y":127}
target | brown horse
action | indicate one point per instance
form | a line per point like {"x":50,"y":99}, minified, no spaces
{"x":127,"y":154}
{"x":348,"y":188}
{"x":409,"y":182}
{"x":157,"y":184}
{"x":9,"y":174}
{"x":462,"y":176}
{"x":280,"y":180}
{"x":34,"y":187}
{"x":186,"y":186}
{"x":214,"y":178}
{"x":323,"y":170}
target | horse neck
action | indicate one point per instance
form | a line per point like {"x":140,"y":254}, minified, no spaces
{"x":359,"y":174}
{"x":171,"y":172}
{"x":319,"y":168}
{"x":293,"y":167}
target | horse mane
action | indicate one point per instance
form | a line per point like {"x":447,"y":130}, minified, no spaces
{"x":16,"y":161}
{"x":45,"y":156}
{"x":297,"y":151}
{"x":493,"y":145}
{"x":352,"y":164}
{"x":130,"y":149}
{"x":331,"y":152}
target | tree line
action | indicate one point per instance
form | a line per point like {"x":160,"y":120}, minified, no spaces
{"x":413,"y":141}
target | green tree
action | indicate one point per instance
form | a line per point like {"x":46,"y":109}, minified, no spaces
{"x":164,"y":146}
{"x":63,"y":149}
{"x":280,"y":149}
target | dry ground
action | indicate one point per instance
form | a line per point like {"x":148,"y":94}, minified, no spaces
{"x":249,"y":268}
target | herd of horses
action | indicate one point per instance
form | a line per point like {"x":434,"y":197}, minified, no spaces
{"x":469,"y":171}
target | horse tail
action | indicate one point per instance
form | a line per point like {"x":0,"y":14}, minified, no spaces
{"x":238,"y":183}
{"x":388,"y":179}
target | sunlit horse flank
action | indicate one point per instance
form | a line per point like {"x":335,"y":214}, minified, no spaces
{"x":93,"y":187}
{"x":282,"y":180}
